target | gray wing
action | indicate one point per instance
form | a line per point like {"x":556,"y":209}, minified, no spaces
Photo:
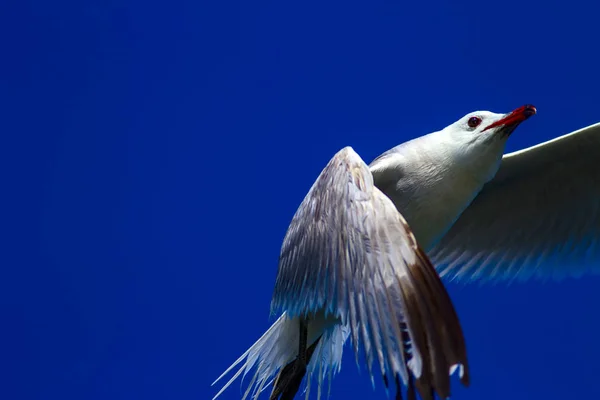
{"x":540,"y":215}
{"x":350,"y":253}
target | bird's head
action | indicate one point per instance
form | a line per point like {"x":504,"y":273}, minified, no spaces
{"x":488,"y":127}
{"x":477,"y":140}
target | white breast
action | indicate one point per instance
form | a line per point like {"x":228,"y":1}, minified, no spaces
{"x":431,"y":184}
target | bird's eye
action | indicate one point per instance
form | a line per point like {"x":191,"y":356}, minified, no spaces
{"x":474,"y":122}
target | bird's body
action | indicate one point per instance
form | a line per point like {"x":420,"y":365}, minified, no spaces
{"x":351,"y":267}
{"x":428,"y":182}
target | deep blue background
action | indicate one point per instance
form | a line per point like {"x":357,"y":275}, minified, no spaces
{"x":153,"y":154}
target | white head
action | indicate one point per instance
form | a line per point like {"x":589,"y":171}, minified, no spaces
{"x":477,"y":140}
{"x":481,"y":127}
{"x":474,"y":143}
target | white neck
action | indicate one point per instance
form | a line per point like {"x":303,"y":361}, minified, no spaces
{"x":432,"y":179}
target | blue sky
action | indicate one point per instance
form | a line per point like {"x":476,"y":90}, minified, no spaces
{"x":154,"y":153}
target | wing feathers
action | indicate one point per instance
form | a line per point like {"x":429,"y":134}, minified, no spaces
{"x":348,"y":251}
{"x":538,"y":217}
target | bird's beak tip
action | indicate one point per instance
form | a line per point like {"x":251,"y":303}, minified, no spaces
{"x":529,"y":110}
{"x":515,"y":117}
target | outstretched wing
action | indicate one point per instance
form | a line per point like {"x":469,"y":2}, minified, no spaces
{"x":540,"y":215}
{"x":348,"y":252}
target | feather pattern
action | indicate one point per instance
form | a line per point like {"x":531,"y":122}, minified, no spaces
{"x":349,"y":254}
{"x":539,"y":216}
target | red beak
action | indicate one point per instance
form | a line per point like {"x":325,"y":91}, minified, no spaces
{"x":514,"y":118}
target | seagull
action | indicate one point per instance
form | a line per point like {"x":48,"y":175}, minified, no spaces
{"x":355,"y":261}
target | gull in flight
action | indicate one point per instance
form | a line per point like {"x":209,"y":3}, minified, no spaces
{"x":355,"y":261}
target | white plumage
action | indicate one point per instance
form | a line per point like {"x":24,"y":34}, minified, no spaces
{"x":351,"y":263}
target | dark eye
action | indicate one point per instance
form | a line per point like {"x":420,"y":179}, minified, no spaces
{"x":474,"y":122}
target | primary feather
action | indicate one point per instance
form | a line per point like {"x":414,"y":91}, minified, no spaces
{"x":349,"y":264}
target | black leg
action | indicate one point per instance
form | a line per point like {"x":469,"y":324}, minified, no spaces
{"x":290,"y":377}
{"x":302,"y":342}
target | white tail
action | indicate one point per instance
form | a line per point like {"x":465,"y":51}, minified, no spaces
{"x":279,"y":346}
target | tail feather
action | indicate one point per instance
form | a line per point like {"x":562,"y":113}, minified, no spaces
{"x":258,"y":343}
{"x":250,"y":360}
{"x":278,"y":347}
